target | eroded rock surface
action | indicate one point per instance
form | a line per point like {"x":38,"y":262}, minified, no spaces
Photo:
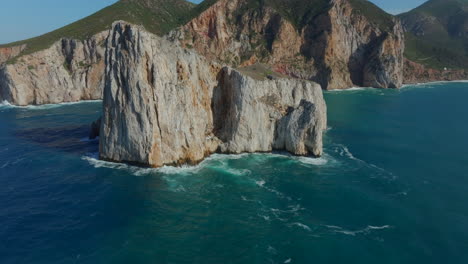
{"x":264,"y":115}
{"x":166,"y":105}
{"x":68,"y":71}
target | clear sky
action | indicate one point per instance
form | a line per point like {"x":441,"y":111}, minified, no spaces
{"x":21,"y":19}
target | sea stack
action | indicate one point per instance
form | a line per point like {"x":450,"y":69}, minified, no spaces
{"x":167,"y":105}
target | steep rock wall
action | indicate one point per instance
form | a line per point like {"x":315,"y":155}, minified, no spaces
{"x":283,"y":114}
{"x":70,"y":70}
{"x":157,"y":101}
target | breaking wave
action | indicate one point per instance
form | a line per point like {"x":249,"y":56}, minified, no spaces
{"x":352,"y":89}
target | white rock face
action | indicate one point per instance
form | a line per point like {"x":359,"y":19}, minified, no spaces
{"x":165,"y":105}
{"x":157,"y":101}
{"x":68,"y":71}
{"x":252,"y":115}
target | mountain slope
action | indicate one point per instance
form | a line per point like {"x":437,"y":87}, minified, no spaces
{"x":437,"y":33}
{"x":157,"y":16}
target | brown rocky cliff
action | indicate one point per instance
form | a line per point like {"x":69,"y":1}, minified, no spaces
{"x":339,"y":48}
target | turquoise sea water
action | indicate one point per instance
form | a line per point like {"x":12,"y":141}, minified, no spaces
{"x":391,"y":188}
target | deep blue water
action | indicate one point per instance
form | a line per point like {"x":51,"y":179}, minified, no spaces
{"x":392,"y":188}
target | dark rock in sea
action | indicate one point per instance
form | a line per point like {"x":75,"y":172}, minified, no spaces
{"x":95,"y":127}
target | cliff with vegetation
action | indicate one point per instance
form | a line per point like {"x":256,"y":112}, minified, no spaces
{"x":437,"y":41}
{"x":338,"y":43}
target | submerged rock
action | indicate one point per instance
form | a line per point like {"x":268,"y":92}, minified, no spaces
{"x":166,"y":105}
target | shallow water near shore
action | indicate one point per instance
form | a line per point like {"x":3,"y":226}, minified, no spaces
{"x":391,"y":188}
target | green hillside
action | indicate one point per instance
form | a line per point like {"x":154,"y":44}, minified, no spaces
{"x":437,"y":33}
{"x":157,"y":16}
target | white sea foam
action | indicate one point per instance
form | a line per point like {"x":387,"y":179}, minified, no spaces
{"x":312,"y":161}
{"x":6,"y":105}
{"x":93,"y":159}
{"x":301,"y":225}
{"x":215,"y":162}
{"x":378,"y":227}
{"x":429,"y":83}
{"x":221,"y":157}
{"x":266,"y":218}
{"x":272,"y":250}
{"x":287,"y":156}
{"x":288,"y":260}
{"x":260,"y":183}
{"x":366,"y":230}
{"x":347,"y":90}
{"x":180,"y":188}
{"x":343,"y":151}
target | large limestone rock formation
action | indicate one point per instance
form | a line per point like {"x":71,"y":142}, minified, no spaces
{"x":68,"y":71}
{"x":157,"y":101}
{"x":339,"y":48}
{"x":166,"y":105}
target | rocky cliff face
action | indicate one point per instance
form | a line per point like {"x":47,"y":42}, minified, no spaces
{"x":157,"y":101}
{"x":166,"y":105}
{"x":339,"y":48}
{"x":68,"y":71}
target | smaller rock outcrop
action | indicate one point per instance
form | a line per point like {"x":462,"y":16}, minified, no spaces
{"x":264,"y":115}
